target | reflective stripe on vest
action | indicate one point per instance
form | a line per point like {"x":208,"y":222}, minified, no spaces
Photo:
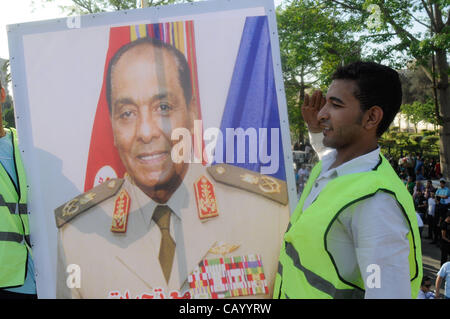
{"x":320,"y":283}
{"x":306,"y":268}
{"x":14,"y":237}
{"x":21,"y":208}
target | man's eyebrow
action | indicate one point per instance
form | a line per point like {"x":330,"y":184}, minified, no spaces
{"x":161,"y":96}
{"x":333,"y":98}
{"x":123,"y":101}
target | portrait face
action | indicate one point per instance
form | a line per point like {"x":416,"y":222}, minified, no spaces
{"x":147,"y":105}
{"x":341,"y":115}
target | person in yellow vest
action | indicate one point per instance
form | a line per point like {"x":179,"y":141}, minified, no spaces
{"x":354,"y":233}
{"x":16,"y":264}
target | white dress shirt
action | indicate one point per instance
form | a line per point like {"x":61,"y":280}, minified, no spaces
{"x":177,"y":201}
{"x":370,"y":232}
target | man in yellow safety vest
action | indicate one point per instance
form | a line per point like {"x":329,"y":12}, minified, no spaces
{"x":16,"y":264}
{"x":354,"y":233}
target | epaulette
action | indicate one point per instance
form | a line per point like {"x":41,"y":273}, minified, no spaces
{"x":267,"y":186}
{"x":83,"y":202}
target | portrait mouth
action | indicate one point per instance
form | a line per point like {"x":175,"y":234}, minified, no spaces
{"x":153,"y":158}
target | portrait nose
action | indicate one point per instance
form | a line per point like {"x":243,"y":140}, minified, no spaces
{"x":147,"y":128}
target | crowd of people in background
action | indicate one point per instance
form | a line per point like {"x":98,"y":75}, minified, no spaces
{"x":416,"y":166}
{"x":301,"y":176}
{"x":302,"y":168}
{"x":432,"y":203}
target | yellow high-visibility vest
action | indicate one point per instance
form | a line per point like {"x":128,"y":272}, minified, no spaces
{"x":306,"y":268}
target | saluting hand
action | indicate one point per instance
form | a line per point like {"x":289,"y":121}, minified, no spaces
{"x":310,"y":108}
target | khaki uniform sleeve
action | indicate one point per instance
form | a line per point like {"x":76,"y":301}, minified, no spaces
{"x":62,"y":290}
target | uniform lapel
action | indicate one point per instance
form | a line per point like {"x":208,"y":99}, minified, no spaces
{"x":140,"y":256}
{"x":193,"y":238}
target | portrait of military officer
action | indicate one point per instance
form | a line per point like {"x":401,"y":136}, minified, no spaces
{"x":152,"y":229}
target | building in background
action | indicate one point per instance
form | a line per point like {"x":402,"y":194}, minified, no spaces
{"x":405,"y":125}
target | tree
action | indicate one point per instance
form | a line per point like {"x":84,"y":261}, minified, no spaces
{"x":313,"y":42}
{"x":8,"y":105}
{"x":8,"y":118}
{"x":8,"y":112}
{"x":5,"y":70}
{"x":393,"y":29}
{"x":417,"y":112}
{"x":416,"y":85}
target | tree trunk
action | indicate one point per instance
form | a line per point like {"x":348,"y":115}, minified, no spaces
{"x":444,"y":101}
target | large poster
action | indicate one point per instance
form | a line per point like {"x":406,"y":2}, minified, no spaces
{"x":157,"y":151}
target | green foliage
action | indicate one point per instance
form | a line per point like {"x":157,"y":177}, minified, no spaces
{"x":420,"y":112}
{"x":316,"y":36}
{"x":398,"y":144}
{"x":313,"y":43}
{"x":5,"y":70}
{"x":426,"y":133}
{"x":398,"y":18}
{"x":8,"y":118}
{"x":8,"y":112}
{"x":7,"y":107}
{"x":395,"y":129}
{"x":296,"y":124}
{"x":429,"y":146}
{"x":415,"y":139}
{"x":416,"y":84}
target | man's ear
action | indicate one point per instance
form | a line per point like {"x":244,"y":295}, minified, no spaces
{"x":373,"y":117}
{"x":2,"y":95}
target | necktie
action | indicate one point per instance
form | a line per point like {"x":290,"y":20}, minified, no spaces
{"x":161,"y":216}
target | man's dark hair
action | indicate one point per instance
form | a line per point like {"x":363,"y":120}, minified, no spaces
{"x":425,"y":279}
{"x":184,"y":73}
{"x":377,"y":85}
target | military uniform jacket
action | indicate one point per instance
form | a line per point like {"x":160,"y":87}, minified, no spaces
{"x":115,"y":264}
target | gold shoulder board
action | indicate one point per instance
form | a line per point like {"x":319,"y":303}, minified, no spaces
{"x":83,"y":202}
{"x":264,"y":185}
